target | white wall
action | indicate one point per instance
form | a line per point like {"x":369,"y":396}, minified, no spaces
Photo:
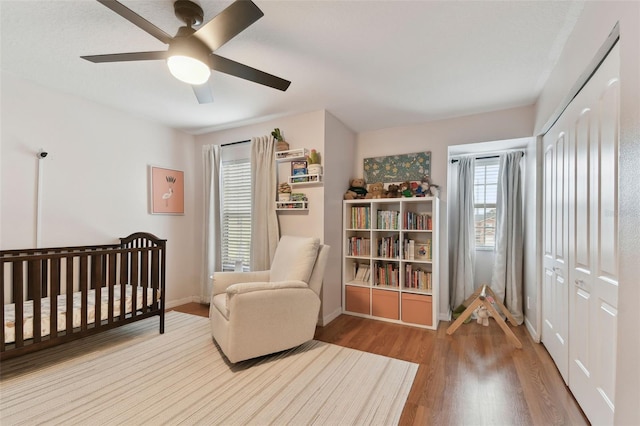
{"x":339,"y":146}
{"x":436,"y":137}
{"x":592,"y":28}
{"x":95,"y":176}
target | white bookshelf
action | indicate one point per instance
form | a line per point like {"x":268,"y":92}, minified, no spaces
{"x":402,"y":281}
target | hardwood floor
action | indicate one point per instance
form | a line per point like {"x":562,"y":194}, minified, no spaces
{"x":474,"y":377}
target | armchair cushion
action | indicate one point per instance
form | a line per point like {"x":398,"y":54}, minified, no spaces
{"x":294,"y":259}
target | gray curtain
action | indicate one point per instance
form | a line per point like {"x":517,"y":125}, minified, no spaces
{"x":212,"y":242}
{"x":265,"y":232}
{"x":506,"y":281}
{"x":463,"y":233}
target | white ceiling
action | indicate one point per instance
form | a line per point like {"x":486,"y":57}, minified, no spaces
{"x":372,"y":64}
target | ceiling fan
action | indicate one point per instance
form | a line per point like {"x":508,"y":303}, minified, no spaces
{"x":190,"y":55}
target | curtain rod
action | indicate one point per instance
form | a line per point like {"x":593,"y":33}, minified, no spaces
{"x":455,"y":160}
{"x":235,"y":143}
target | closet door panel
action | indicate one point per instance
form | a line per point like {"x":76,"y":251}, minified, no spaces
{"x":582,"y":187}
{"x":555,"y":290}
{"x":608,"y":182}
{"x":593,"y":253}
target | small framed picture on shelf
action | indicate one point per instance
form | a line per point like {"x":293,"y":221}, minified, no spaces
{"x":423,"y":250}
{"x":299,"y":167}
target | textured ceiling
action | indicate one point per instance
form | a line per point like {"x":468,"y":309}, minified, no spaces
{"x":372,"y":64}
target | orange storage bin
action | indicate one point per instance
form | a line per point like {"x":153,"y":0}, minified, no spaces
{"x":417,"y":309}
{"x":386,"y":304}
{"x":357,"y":299}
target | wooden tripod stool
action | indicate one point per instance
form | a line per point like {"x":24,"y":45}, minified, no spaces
{"x":480,"y":298}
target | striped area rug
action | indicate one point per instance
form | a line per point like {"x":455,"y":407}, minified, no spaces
{"x":133,"y":375}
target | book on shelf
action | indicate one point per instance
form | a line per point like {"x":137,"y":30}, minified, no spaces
{"x":386,"y":274}
{"x":417,"y":278}
{"x":388,"y":247}
{"x":360,"y":218}
{"x":358,"y":246}
{"x":388,"y":219}
{"x":362,"y":273}
{"x":409,"y":249}
{"x":299,"y":167}
{"x":417,"y":221}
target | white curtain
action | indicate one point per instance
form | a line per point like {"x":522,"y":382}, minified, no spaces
{"x":463,"y":233}
{"x":506,"y":281}
{"x":212,"y":235}
{"x":264,"y":230}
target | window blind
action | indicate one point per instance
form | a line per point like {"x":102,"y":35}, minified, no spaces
{"x":485,"y":199}
{"x":236,"y":213}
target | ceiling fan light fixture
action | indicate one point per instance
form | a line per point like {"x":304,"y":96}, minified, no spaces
{"x":188,"y":69}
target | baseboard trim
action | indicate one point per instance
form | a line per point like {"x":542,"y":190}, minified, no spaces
{"x":173,"y":303}
{"x":532,"y":331}
{"x":328,"y":318}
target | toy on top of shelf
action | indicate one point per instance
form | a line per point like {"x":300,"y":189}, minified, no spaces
{"x":284,"y":191}
{"x":393,"y":191}
{"x":377,"y":190}
{"x":313,"y":163}
{"x":357,"y":190}
{"x":313,"y":157}
{"x":405,"y":189}
{"x":281,"y":145}
{"x":423,"y":189}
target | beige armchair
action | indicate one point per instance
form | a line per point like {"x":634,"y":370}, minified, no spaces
{"x":259,"y":313}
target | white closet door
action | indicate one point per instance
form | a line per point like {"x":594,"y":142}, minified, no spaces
{"x":593,"y":228}
{"x":580,"y":273}
{"x":555,"y":291}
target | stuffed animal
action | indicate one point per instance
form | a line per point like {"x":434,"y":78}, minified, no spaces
{"x":376,"y":190}
{"x":423,"y":189}
{"x":482,"y":315}
{"x":357,"y":190}
{"x":392,"y":191}
{"x":405,"y":189}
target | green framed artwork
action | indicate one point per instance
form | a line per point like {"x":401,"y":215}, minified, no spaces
{"x":398,"y":168}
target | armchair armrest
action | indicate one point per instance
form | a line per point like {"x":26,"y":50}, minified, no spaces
{"x":222,"y":280}
{"x":248,"y":287}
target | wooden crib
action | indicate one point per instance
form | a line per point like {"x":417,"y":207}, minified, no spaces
{"x":66,"y":293}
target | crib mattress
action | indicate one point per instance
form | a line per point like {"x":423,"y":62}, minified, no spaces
{"x":45,"y":326}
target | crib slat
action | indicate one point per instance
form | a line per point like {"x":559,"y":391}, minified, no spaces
{"x":84,"y":289}
{"x":18,"y":300}
{"x":96,"y":285}
{"x":69,"y":295}
{"x":53,"y":296}
{"x":144,"y":278}
{"x":111,"y":260}
{"x":45,"y":282}
{"x":155,"y":276}
{"x":135,"y":280}
{"x":34,"y":280}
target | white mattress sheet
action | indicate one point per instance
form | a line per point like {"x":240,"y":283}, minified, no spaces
{"x":45,"y":327}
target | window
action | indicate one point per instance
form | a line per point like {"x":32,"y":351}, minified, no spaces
{"x":236,"y":213}
{"x":485,"y":193}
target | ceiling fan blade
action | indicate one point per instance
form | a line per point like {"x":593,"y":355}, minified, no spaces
{"x":203,"y":93}
{"x":229,"y":23}
{"x":237,"y":69}
{"x":137,"y":20}
{"x":123,"y":57}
